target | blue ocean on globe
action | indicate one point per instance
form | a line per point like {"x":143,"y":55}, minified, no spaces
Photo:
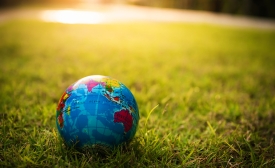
{"x":97,"y":111}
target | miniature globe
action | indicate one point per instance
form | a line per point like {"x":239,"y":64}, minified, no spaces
{"x":97,"y":111}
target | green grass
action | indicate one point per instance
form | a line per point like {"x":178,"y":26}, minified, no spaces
{"x":205,"y":93}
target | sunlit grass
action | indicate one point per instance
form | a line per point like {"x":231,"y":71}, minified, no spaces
{"x":205,"y":93}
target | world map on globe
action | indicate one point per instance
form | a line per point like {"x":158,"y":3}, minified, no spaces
{"x":97,"y":110}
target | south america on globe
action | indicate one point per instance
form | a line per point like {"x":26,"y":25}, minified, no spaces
{"x":97,"y":111}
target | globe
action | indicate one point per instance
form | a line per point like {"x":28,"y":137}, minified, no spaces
{"x":97,"y":112}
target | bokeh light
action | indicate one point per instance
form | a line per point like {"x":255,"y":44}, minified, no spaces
{"x":71,"y":16}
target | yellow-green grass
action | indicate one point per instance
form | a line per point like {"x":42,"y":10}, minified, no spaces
{"x":213,"y":88}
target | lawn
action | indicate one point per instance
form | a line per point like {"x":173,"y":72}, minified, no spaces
{"x":205,"y":93}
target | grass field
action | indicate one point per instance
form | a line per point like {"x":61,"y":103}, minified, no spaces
{"x":205,"y":93}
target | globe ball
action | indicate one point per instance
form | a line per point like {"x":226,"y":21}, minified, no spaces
{"x":97,"y":111}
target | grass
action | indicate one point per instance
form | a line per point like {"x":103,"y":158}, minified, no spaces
{"x":205,"y":93}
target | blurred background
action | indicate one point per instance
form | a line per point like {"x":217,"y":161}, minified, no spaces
{"x":208,"y":64}
{"x":258,"y":8}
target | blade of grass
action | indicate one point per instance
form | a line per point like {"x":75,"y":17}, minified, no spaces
{"x":231,"y":147}
{"x":148,"y":116}
{"x":211,"y":128}
{"x":187,"y":157}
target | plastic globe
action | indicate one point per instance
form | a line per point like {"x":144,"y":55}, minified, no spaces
{"x":97,"y":111}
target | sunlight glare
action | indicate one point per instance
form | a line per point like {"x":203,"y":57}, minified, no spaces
{"x":71,"y":16}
